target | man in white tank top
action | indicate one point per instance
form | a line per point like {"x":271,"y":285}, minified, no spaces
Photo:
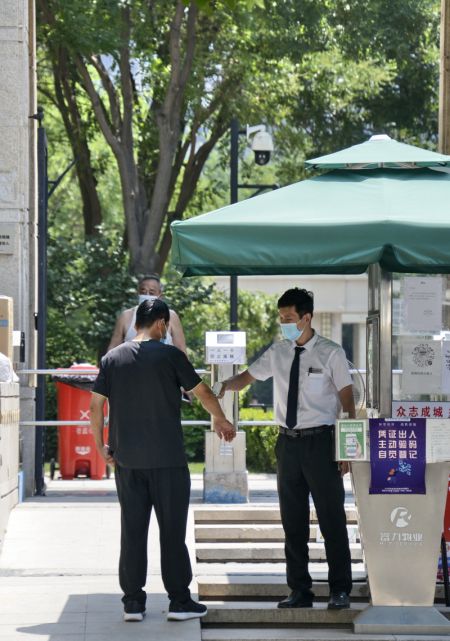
{"x":149,"y":287}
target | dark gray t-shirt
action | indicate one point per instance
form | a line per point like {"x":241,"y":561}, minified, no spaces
{"x":142,"y":382}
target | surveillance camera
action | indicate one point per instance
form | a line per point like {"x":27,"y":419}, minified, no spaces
{"x":262,"y":145}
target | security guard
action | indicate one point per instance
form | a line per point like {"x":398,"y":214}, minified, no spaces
{"x":311,"y":384}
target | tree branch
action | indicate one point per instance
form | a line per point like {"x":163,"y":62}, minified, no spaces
{"x":97,"y":63}
{"x":189,"y":184}
{"x":98,"y":106}
{"x":126,"y":84}
{"x":190,"y":44}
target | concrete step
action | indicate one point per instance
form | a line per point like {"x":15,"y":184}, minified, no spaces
{"x":304,"y":634}
{"x":243,"y":532}
{"x":267,"y":587}
{"x":256,"y":532}
{"x":261,"y":552}
{"x":262,"y":587}
{"x":252,"y":514}
{"x":259,"y":613}
{"x":318,"y":570}
{"x":266,"y":613}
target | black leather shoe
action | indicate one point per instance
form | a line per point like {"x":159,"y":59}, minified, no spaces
{"x":298,"y":599}
{"x":338,"y":601}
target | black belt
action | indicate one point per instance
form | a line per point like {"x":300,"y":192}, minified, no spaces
{"x":307,"y":431}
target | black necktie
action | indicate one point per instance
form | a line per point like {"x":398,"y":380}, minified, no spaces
{"x":292,"y":399}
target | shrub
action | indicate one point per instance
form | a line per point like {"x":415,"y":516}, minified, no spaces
{"x":260,"y":440}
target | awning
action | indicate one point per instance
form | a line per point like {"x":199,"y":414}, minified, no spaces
{"x":337,"y":223}
{"x":378,"y":152}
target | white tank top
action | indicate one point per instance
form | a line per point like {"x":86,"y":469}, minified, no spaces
{"x":131,"y":332}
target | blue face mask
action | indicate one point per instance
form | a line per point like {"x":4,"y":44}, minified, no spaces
{"x":291,"y":331}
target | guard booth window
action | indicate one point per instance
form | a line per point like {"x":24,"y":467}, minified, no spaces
{"x":348,"y":337}
{"x":421,"y":345}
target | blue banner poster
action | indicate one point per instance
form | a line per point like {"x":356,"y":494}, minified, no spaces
{"x":397,"y":456}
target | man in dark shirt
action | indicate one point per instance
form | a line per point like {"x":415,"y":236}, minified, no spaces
{"x":141,"y":380}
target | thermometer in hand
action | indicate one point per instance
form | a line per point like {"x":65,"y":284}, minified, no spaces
{"x":217,"y":388}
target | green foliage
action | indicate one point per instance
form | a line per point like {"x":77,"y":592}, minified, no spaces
{"x":260,"y":440}
{"x":323,"y":75}
{"x":203,"y":307}
{"x":88,"y":283}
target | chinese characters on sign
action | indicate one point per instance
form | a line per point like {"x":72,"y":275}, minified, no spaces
{"x":397,"y":456}
{"x":7,"y":238}
{"x":421,"y":409}
{"x":403,"y":538}
{"x":83,"y":430}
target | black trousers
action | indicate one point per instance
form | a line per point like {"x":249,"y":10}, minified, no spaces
{"x":166,"y":490}
{"x":305,"y":465}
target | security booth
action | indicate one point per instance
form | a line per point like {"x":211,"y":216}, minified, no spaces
{"x":381,"y":207}
{"x":401,"y":501}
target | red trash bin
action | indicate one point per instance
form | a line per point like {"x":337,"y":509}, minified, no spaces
{"x":77,"y":453}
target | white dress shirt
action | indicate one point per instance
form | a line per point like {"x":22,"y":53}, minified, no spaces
{"x":323,"y":373}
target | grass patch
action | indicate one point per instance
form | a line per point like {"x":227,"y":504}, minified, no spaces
{"x":196,"y":468}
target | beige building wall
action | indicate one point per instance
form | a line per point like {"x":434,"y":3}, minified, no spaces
{"x":17,"y":192}
{"x":338,"y":301}
{"x":9,"y":451}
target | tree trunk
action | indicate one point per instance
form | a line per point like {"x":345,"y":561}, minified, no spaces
{"x":65,"y":94}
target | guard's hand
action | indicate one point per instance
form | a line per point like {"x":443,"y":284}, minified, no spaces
{"x":106,"y":456}
{"x":344,"y":467}
{"x":224,"y":429}
{"x":219,"y":389}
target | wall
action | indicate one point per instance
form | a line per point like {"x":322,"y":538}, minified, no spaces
{"x":9,"y":451}
{"x":17,"y":191}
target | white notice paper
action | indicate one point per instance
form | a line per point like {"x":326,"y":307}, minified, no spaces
{"x":422,"y":366}
{"x":438,"y":440}
{"x":423,"y":304}
{"x":446,"y":367}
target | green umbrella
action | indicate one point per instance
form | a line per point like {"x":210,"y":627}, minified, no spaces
{"x":336,"y":223}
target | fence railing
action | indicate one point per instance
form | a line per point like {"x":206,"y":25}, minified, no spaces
{"x":186,"y":423}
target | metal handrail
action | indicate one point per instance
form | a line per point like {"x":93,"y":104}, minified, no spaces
{"x":76,"y":372}
{"x":188,"y":423}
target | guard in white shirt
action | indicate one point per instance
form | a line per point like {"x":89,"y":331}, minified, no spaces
{"x":311,"y":384}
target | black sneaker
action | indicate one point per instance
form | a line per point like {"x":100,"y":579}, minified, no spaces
{"x":187,"y":610}
{"x":133,"y":611}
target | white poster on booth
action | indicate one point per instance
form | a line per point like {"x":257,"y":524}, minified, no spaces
{"x":423,"y":304}
{"x":446,"y":367}
{"x":422,"y":366}
{"x":438,"y":440}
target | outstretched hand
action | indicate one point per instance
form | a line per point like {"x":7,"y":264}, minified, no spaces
{"x":224,"y":429}
{"x":219,"y":389}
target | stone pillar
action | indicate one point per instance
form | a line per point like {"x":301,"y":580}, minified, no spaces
{"x":9,"y":451}
{"x":18,"y":211}
{"x":225,"y":479}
